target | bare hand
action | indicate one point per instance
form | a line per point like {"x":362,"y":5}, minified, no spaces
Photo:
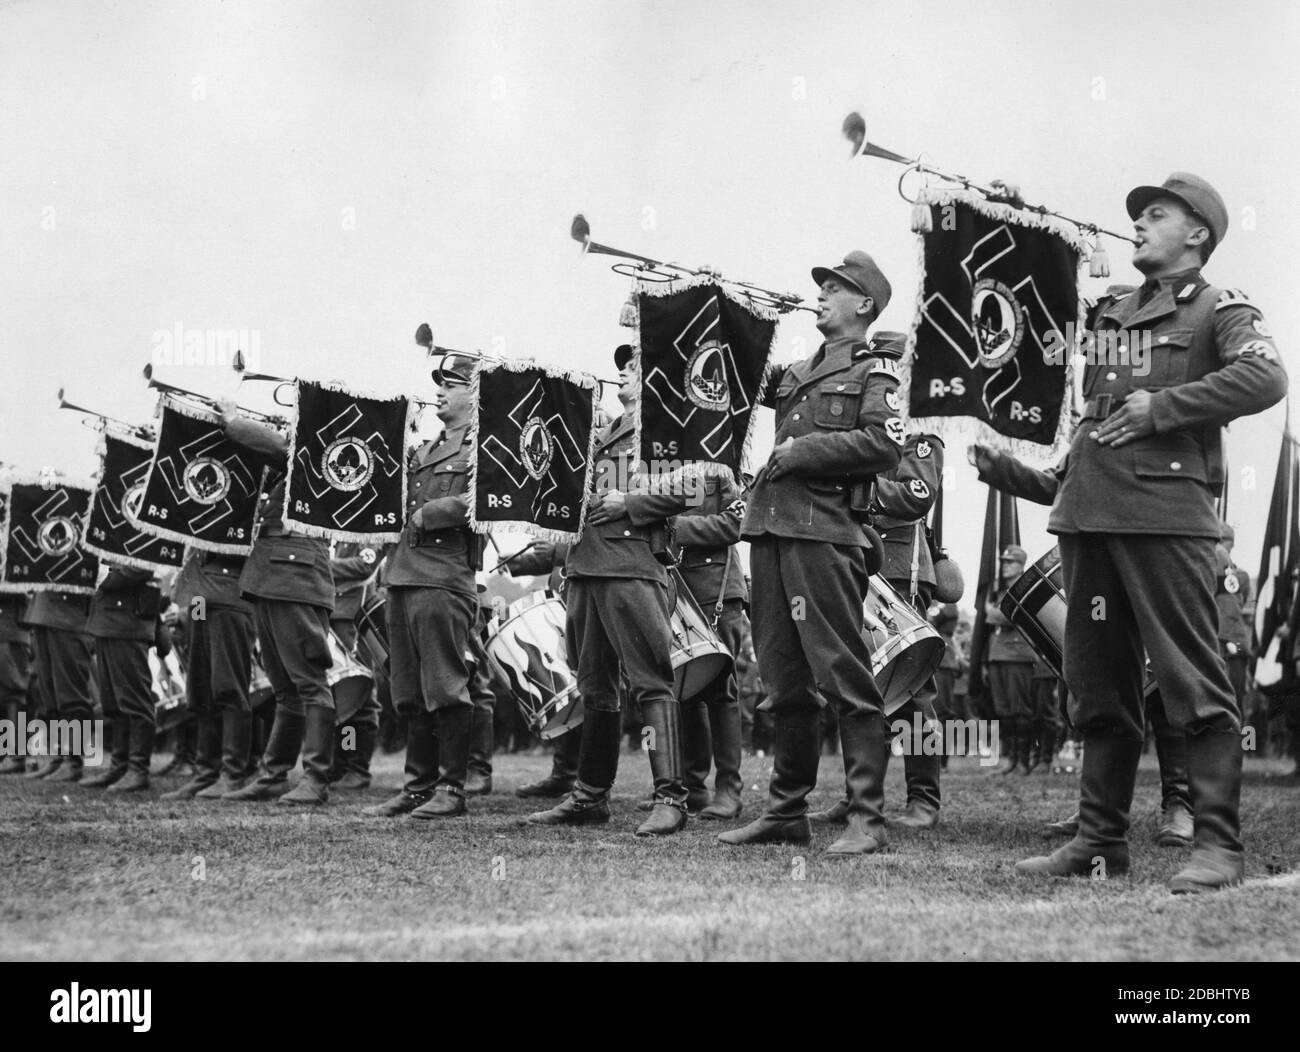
{"x":981,"y":457}
{"x":228,"y":408}
{"x":775,"y":467}
{"x":1131,"y":422}
{"x":607,"y":507}
{"x":1003,"y":190}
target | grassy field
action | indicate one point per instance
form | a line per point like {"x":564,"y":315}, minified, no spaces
{"x":89,"y":877}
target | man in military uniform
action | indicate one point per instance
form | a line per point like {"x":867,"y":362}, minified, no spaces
{"x":618,"y":622}
{"x":1134,"y":509}
{"x":1010,"y":664}
{"x":123,"y":618}
{"x":63,"y":671}
{"x":219,"y":660}
{"x":706,"y":536}
{"x":15,"y":670}
{"x":903,"y":499}
{"x":809,"y":560}
{"x":289,"y":579}
{"x":432,"y":610}
{"x":353,"y":567}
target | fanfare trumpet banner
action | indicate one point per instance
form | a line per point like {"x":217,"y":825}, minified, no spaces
{"x":112,"y":532}
{"x":347,"y":465}
{"x":703,"y":354}
{"x":532,"y":430}
{"x":40,"y":535}
{"x":998,"y":316}
{"x":202,"y":488}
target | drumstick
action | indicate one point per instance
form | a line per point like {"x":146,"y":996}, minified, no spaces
{"x":510,"y":558}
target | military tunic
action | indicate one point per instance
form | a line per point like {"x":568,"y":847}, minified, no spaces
{"x":432,"y":593}
{"x":1138,"y":523}
{"x":807,"y":550}
{"x":63,"y":655}
{"x":15,"y":662}
{"x":219,"y":658}
{"x":123,"y":617}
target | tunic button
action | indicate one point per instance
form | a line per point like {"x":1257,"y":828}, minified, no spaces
{"x":796,"y":416}
{"x":1175,"y":466}
{"x":840,"y":387}
{"x":804,"y":398}
{"x":292,"y":556}
{"x":627,"y":533}
{"x":708,"y":559}
{"x":1163,"y":339}
{"x":1110,"y":376}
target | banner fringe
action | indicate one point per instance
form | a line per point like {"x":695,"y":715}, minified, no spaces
{"x":132,"y":561}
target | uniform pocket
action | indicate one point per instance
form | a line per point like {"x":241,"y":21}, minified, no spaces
{"x":1170,"y":464}
{"x":1165,"y":357}
{"x":837,"y":405}
{"x":442,"y":540}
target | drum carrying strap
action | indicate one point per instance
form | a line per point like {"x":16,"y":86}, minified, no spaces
{"x":916,"y":559}
{"x":726,"y":573}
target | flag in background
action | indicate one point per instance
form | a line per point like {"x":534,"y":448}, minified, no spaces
{"x":1001,"y":527}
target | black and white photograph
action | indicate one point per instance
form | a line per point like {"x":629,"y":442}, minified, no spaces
{"x":649,"y":481}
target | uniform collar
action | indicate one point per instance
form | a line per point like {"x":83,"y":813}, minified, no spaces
{"x":832,"y":357}
{"x":1171,"y":290}
{"x":445,"y":447}
{"x":621,"y":426}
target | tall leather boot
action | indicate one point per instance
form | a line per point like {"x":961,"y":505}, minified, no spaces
{"x":69,"y":769}
{"x":664,"y":718}
{"x":921,"y":773}
{"x":353,"y":765}
{"x":207,"y":758}
{"x":835,"y":815}
{"x":724,"y":727}
{"x":448,"y":799}
{"x":1176,"y":823}
{"x":1031,"y":749}
{"x":282,"y":747}
{"x":421,"y":768}
{"x":236,"y":745}
{"x":1011,"y":731}
{"x":864,"y":739}
{"x":1214,"y":761}
{"x":13,"y":764}
{"x":140,"y":735}
{"x":118,"y":747}
{"x":588,"y":803}
{"x":478,"y":780}
{"x":1048,"y":733}
{"x":317,"y":759}
{"x":1100,"y":847}
{"x":796,"y":752}
{"x":697,"y":754}
{"x":564,"y":768}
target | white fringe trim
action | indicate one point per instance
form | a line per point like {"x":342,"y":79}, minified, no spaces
{"x":586,"y":382}
{"x":48,"y":479}
{"x":132,"y":561}
{"x":330,"y":533}
{"x":970,"y":428}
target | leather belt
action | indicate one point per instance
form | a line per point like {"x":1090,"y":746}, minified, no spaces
{"x":1102,"y":406}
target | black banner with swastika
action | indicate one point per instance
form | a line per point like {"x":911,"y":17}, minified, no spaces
{"x":532,"y":430}
{"x":347,"y":465}
{"x":112,"y":532}
{"x":202,"y":488}
{"x":703,"y":352}
{"x":41,"y":523}
{"x":997,"y":319}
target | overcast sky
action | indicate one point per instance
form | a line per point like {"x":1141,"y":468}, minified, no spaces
{"x":325,"y":176}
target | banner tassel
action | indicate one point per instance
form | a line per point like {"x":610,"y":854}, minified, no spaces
{"x":1099,"y":262}
{"x":922,"y":219}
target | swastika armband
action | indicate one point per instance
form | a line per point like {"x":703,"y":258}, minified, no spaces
{"x":1234,"y":298}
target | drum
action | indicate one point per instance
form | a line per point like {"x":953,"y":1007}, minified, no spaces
{"x":372,"y":630}
{"x":348,"y":678}
{"x":1035,"y":605}
{"x":168,"y":683}
{"x":259,"y":687}
{"x":905,"y":647}
{"x":699,"y":655}
{"x":528,"y":645}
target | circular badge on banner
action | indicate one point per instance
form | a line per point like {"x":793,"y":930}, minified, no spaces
{"x":206,"y":480}
{"x":57,"y":535}
{"x":997,"y":315}
{"x":706,"y":378}
{"x":536,"y":447}
{"x":347,"y":464}
{"x":131,"y":503}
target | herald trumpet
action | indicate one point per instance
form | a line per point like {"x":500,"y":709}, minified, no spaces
{"x":103,"y":418}
{"x":644,"y":268}
{"x":280,"y":382}
{"x":205,"y":401}
{"x":854,"y":129}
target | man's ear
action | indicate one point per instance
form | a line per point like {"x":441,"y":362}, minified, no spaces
{"x":1198,"y":236}
{"x":867,"y":306}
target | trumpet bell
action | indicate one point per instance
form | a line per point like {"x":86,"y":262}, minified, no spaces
{"x":855,"y":130}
